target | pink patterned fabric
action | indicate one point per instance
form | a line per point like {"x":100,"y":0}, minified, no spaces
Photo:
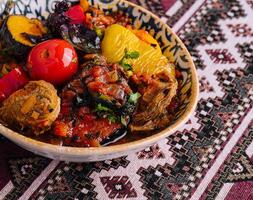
{"x":210,"y":157}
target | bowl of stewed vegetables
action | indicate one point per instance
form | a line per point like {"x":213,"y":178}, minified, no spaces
{"x":91,"y":80}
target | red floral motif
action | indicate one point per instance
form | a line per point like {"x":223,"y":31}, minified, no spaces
{"x":225,"y":116}
{"x":220,"y":56}
{"x":250,"y":2}
{"x":189,"y":122}
{"x":240,"y":30}
{"x":205,"y":85}
{"x":217,"y":5}
{"x":60,"y":185}
{"x":174,"y":188}
{"x":201,"y":151}
{"x":248,"y":86}
{"x":151,"y":153}
{"x":118,"y":187}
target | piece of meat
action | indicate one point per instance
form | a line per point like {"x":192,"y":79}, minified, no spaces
{"x":35,"y":107}
{"x":157,"y":92}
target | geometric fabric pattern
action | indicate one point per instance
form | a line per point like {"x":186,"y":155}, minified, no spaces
{"x":210,"y":157}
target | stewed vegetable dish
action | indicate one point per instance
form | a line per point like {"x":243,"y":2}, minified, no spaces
{"x":83,"y":78}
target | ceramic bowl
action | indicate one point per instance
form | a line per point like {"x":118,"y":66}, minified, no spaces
{"x":172,"y":47}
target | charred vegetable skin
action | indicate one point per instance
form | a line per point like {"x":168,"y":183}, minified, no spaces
{"x":56,"y":19}
{"x":18,"y":40}
{"x":107,"y":83}
{"x":80,"y":36}
{"x":91,"y":102}
{"x":108,"y":87}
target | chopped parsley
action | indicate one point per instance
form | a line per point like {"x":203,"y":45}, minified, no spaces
{"x":134,"y":98}
{"x":132,"y":55}
{"x":128,"y":55}
{"x":125,"y":65}
{"x":101,"y":108}
{"x":112,"y":118}
{"x":103,"y":111}
{"x":99,"y":32}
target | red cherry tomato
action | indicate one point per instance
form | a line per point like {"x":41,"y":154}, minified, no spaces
{"x":76,"y":14}
{"x":54,"y":61}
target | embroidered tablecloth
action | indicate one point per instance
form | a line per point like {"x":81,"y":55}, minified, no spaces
{"x":210,"y":157}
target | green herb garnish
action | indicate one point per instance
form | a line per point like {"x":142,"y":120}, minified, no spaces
{"x":132,"y":55}
{"x":107,"y":112}
{"x":99,"y":32}
{"x":123,"y":121}
{"x":125,"y":65}
{"x":134,"y":98}
{"x":100,"y":108}
{"x":128,"y":55}
{"x":104,"y":97}
{"x":112,"y":118}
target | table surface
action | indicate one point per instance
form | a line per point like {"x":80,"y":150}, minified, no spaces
{"x":210,"y":157}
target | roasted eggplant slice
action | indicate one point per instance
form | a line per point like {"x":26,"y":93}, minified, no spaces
{"x":81,"y":37}
{"x":106,"y":84}
{"x":16,"y":32}
{"x":108,"y":87}
{"x":58,"y":18}
{"x":96,"y":105}
{"x":81,"y":126}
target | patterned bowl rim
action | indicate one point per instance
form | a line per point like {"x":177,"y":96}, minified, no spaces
{"x":138,"y":144}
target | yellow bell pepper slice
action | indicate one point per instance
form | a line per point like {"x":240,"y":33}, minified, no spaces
{"x":118,"y":38}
